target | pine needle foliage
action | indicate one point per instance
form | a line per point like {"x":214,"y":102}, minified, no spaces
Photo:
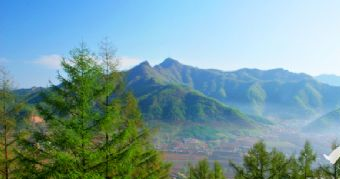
{"x":91,"y":130}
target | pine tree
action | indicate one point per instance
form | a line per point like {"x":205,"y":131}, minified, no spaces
{"x":9,"y":113}
{"x":129,"y":153}
{"x":111,"y":83}
{"x":320,"y":173}
{"x":218,"y":171}
{"x":66,"y":148}
{"x":293,"y":168}
{"x":200,"y":171}
{"x":256,"y":163}
{"x":306,"y":159}
{"x":145,"y":161}
{"x":87,"y":134}
{"x":279,"y":165}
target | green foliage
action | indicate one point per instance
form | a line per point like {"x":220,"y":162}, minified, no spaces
{"x":139,"y":159}
{"x":218,"y":171}
{"x":66,"y":148}
{"x":9,"y":114}
{"x":202,"y":171}
{"x":258,"y":163}
{"x":279,"y":165}
{"x":306,"y":159}
{"x":87,"y":134}
{"x":294,"y":170}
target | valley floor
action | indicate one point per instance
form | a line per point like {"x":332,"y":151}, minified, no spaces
{"x":286,"y":136}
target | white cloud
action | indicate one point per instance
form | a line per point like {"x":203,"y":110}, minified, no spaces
{"x":128,"y":62}
{"x":50,"y":61}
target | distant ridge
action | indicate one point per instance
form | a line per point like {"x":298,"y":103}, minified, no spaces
{"x":333,"y":80}
{"x":328,"y":123}
{"x":275,"y":92}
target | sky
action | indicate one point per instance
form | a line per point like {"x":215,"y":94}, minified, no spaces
{"x":298,"y":35}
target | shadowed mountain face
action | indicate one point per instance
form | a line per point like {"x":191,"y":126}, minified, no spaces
{"x":276,"y":92}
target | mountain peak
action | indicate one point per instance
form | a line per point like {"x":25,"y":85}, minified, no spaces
{"x":144,"y":70}
{"x":169,"y":62}
{"x":145,"y":63}
{"x":143,"y":67}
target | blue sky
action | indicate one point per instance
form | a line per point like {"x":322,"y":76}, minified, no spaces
{"x":298,"y":35}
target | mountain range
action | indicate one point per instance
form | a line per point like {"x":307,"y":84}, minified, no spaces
{"x":276,"y":92}
{"x":163,"y":99}
{"x":171,"y":92}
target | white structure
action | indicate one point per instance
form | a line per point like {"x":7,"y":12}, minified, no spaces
{"x":333,"y":156}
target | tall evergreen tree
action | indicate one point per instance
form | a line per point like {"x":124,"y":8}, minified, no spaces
{"x":128,"y":150}
{"x":9,"y":113}
{"x":256,"y":163}
{"x":200,"y":171}
{"x":111,"y":84}
{"x":279,"y":165}
{"x":87,"y":135}
{"x":129,"y":153}
{"x":145,"y":160}
{"x":218,"y":172}
{"x":306,"y":159}
{"x":293,"y":168}
{"x":65,"y":147}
